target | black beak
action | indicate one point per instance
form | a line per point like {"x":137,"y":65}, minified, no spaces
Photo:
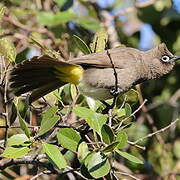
{"x":175,"y":58}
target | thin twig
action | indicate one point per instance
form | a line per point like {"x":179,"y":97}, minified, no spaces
{"x":138,"y":146}
{"x":126,"y":174}
{"x":138,"y":109}
{"x":154,"y":133}
{"x":40,"y":174}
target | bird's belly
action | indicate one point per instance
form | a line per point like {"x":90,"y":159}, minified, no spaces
{"x":94,"y":92}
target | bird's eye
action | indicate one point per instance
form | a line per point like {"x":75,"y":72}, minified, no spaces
{"x":165,"y":58}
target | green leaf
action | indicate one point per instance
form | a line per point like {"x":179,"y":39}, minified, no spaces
{"x":12,"y":114}
{"x":121,"y":112}
{"x":81,"y":45}
{"x":18,"y":139}
{"x":49,"y":120}
{"x":111,"y":147}
{"x":82,"y":151}
{"x":24,"y":126}
{"x":11,"y":152}
{"x":7,"y":49}
{"x":122,"y":138}
{"x":68,"y":138}
{"x":94,"y":120}
{"x":2,"y":11}
{"x":55,"y":155}
{"x":128,"y":110}
{"x":97,"y":164}
{"x":49,"y":18}
{"x":88,"y":23}
{"x":131,"y":96}
{"x":60,"y":2}
{"x":99,"y":41}
{"x":107,"y":134}
{"x":129,"y":157}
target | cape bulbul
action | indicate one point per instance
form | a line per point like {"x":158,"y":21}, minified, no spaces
{"x":93,"y":73}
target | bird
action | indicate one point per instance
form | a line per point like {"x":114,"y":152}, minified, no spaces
{"x":93,"y":73}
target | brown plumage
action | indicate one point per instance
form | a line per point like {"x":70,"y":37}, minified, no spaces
{"x":92,"y":73}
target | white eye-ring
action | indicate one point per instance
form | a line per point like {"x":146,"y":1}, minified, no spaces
{"x":165,"y":58}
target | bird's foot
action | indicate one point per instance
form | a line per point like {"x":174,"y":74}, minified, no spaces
{"x":115,"y":91}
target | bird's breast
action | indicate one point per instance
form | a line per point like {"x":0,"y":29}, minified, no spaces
{"x":94,"y":92}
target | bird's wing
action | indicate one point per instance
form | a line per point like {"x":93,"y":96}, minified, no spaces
{"x":119,"y":57}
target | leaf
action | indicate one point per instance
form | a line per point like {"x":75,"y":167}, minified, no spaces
{"x":18,"y":139}
{"x":128,"y":110}
{"x":13,"y":114}
{"x":81,"y":45}
{"x":49,"y":18}
{"x":122,"y":138}
{"x":131,"y":96}
{"x":82,"y":151}
{"x":7,"y":49}
{"x":94,"y":120}
{"x":68,"y":138}
{"x":97,"y":164}
{"x":55,"y":155}
{"x":88,"y":23}
{"x":2,"y":11}
{"x":67,"y":5}
{"x":111,"y":147}
{"x":93,"y":104}
{"x":99,"y":41}
{"x":24,"y":126}
{"x":60,"y":2}
{"x":129,"y":157}
{"x":49,"y":120}
{"x":107,"y":134}
{"x":11,"y":152}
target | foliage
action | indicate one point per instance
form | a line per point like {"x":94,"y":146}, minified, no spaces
{"x":68,"y":133}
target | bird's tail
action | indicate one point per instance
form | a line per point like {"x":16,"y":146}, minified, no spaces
{"x":42,"y":75}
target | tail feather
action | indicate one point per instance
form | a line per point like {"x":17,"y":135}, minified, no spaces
{"x":36,"y":75}
{"x":42,"y":91}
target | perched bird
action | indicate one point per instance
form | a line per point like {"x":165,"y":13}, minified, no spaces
{"x":93,"y":73}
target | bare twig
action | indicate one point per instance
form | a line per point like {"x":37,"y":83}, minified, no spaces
{"x":40,"y":174}
{"x":4,"y":163}
{"x":126,"y":174}
{"x":138,"y":109}
{"x":138,"y":146}
{"x":154,"y":133}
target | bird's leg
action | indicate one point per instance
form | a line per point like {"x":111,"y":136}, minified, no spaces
{"x":114,"y":92}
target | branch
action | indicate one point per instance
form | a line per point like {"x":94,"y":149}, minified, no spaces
{"x":4,"y":163}
{"x":154,"y":133}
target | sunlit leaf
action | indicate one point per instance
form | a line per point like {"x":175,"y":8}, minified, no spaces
{"x":82,"y":151}
{"x":24,"y":126}
{"x":7,"y":49}
{"x":122,"y":138}
{"x":2,"y":11}
{"x":130,"y":157}
{"x":49,"y":120}
{"x":97,"y":164}
{"x":17,"y":139}
{"x":55,"y":155}
{"x":12,"y":152}
{"x":68,"y":138}
{"x":94,"y":120}
{"x":49,"y":18}
{"x":99,"y":41}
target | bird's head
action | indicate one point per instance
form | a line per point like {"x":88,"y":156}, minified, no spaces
{"x":161,"y":62}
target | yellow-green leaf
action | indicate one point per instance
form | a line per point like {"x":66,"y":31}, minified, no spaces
{"x":99,"y":41}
